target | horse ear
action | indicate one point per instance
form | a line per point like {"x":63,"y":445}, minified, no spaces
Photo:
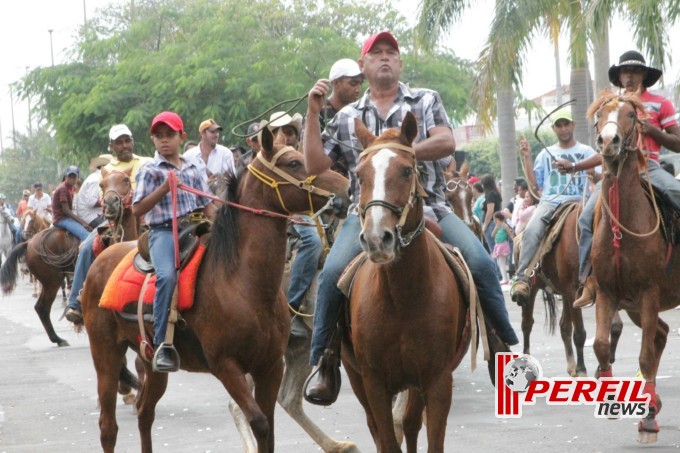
{"x":105,"y":171}
{"x":279,"y":139}
{"x":451,"y":167}
{"x":464,"y":170}
{"x":409,"y":128}
{"x":267,"y":141}
{"x":364,"y":136}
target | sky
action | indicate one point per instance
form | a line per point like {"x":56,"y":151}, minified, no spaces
{"x":25,"y":42}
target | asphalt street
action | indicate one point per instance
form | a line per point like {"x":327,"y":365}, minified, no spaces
{"x":48,"y":400}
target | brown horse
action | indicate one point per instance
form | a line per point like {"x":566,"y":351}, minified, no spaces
{"x":239,"y":322}
{"x":557,"y":274}
{"x":459,"y":197}
{"x":34,"y":223}
{"x":409,"y":291}
{"x":633,"y":265}
{"x":51,"y":254}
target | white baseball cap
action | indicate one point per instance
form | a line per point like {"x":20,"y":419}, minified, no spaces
{"x":118,"y":130}
{"x":344,"y":68}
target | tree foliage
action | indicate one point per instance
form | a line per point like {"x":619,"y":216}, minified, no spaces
{"x":229,"y":60}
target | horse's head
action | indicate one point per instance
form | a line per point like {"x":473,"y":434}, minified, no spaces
{"x":389,"y":189}
{"x":459,"y":194}
{"x":282,"y":168}
{"x":618,"y":127}
{"x":33,"y":224}
{"x":117,"y":189}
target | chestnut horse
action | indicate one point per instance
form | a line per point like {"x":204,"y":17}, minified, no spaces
{"x":239,"y":322}
{"x":406,"y":309}
{"x":51,"y":254}
{"x":635,"y":268}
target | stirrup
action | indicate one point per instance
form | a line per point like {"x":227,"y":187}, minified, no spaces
{"x":584,"y":301}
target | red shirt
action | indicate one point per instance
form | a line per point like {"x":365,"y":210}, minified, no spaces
{"x":61,"y":193}
{"x":661,"y":114}
{"x":23,"y":204}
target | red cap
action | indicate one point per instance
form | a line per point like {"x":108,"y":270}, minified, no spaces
{"x":473,"y":179}
{"x":386,"y":35}
{"x":171,"y":119}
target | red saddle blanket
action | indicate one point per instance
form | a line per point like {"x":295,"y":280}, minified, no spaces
{"x":126,"y":282}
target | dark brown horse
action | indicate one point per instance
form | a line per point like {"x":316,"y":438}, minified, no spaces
{"x":633,"y":265}
{"x":459,"y":196}
{"x":239,"y":322}
{"x":406,"y":309}
{"x":51,"y":254}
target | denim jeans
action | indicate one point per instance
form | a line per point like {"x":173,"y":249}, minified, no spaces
{"x":19,"y":236}
{"x":83,"y":263}
{"x":531,"y":238}
{"x":329,"y":298}
{"x":73,"y":227}
{"x":306,"y":262}
{"x":162,"y":251}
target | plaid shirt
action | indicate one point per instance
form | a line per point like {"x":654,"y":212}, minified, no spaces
{"x":153,"y":174}
{"x":429,"y":111}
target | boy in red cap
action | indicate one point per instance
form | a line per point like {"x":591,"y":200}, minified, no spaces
{"x":153,"y":199}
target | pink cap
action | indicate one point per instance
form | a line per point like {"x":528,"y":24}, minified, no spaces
{"x":370,"y":42}
{"x":170,"y":118}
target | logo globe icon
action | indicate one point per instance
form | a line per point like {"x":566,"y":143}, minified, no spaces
{"x":520,"y":372}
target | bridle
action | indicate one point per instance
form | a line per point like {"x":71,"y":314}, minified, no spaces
{"x":123,"y":201}
{"x":627,"y":146}
{"x":416,"y":192}
{"x":305,"y":185}
{"x":454,"y":184}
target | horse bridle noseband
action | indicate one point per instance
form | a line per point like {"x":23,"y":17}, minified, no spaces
{"x":625,"y":146}
{"x":453,"y":184}
{"x":401,"y":212}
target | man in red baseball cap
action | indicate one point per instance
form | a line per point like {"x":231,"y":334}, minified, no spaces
{"x":383,"y":106}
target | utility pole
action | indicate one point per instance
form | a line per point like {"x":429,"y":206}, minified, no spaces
{"x":28,"y":99}
{"x":84,"y":13}
{"x":51,"y":47}
{"x":11,"y":104}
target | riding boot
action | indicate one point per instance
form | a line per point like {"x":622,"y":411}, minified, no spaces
{"x":520,"y":291}
{"x":166,"y":359}
{"x":588,"y":292}
{"x":298,"y":328}
{"x":327,"y":386}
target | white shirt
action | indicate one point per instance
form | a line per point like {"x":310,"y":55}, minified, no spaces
{"x":40,"y":205}
{"x":220,"y":160}
{"x":87,"y":196}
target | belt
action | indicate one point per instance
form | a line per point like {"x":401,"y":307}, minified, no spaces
{"x":182,"y":222}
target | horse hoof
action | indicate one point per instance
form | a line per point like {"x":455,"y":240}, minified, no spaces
{"x":345,"y":447}
{"x":130,"y":398}
{"x":645,"y":437}
{"x":63,"y":343}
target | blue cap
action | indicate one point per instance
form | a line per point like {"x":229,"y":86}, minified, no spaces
{"x":72,"y":170}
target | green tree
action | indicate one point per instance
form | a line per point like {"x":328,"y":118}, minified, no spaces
{"x":229,"y":60}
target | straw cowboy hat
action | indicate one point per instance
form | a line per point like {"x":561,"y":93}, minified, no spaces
{"x":634,"y":58}
{"x":280,"y":119}
{"x":100,"y":161}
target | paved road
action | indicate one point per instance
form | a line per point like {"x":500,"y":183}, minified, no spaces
{"x":48,"y":401}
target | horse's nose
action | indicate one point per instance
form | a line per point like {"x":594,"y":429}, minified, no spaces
{"x":380,"y":244}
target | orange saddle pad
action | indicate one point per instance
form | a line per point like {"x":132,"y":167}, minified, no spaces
{"x":126,"y":282}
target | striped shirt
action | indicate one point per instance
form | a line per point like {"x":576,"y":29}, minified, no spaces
{"x":429,"y":111}
{"x":661,"y":114}
{"x":153,"y":174}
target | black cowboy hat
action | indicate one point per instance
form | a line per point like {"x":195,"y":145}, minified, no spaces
{"x":634,"y":58}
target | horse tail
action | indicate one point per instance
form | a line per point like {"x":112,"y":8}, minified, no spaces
{"x":127,"y":379}
{"x":550,"y":302}
{"x":8,"y":272}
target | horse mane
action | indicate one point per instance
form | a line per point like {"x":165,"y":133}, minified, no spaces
{"x":224,"y":240}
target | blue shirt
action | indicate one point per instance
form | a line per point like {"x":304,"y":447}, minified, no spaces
{"x":553,"y":183}
{"x":153,"y":174}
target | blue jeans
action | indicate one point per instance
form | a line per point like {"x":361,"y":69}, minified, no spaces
{"x":73,"y":227}
{"x":19,"y":237}
{"x":83,"y":263}
{"x":162,"y":251}
{"x":306,"y":262}
{"x":329,"y":298}
{"x":532,"y":237}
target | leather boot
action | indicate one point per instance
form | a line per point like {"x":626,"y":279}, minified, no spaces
{"x":165,"y":360}
{"x":588,"y":293}
{"x":520,"y":292}
{"x":298,"y":328}
{"x":325,"y":390}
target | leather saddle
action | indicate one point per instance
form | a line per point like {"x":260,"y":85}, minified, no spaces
{"x":189,"y":238}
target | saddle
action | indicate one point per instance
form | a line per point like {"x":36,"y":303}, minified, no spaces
{"x":670,"y":218}
{"x":555,"y":225}
{"x":464,"y":278}
{"x":189,"y":239}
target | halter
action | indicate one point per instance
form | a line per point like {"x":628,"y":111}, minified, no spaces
{"x":416,"y":192}
{"x":453,"y":184}
{"x":303,"y":185}
{"x":116,"y":222}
